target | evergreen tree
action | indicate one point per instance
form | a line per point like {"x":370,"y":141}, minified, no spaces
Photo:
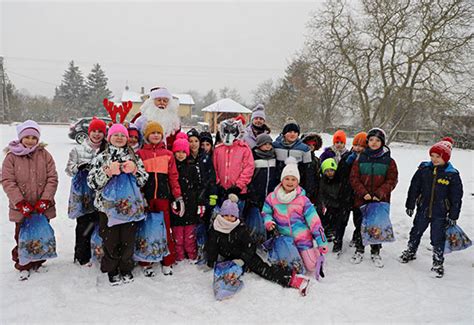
{"x":70,"y":95}
{"x":96,"y":91}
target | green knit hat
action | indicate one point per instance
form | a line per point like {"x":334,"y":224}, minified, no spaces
{"x":329,"y":163}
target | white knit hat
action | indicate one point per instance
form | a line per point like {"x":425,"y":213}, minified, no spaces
{"x":291,"y":169}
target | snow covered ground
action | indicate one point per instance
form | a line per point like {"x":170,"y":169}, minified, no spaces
{"x":349,"y":293}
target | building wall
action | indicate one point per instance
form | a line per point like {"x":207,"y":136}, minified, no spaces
{"x":185,"y":110}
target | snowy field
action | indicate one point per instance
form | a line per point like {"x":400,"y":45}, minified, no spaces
{"x":349,"y":294}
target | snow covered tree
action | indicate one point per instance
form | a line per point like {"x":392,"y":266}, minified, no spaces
{"x":70,"y":95}
{"x":96,"y":90}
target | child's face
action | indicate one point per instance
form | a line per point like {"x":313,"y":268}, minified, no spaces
{"x":291,"y":136}
{"x":330,"y":173}
{"x":133,"y":140}
{"x":339,"y":145}
{"x":193,"y":144}
{"x":289,"y":183}
{"x":266,"y":147}
{"x":29,"y":141}
{"x":437,"y":160}
{"x":206,"y":146}
{"x":96,"y":136}
{"x":180,"y":155}
{"x":374,"y":143}
{"x":118,"y":140}
{"x":311,"y":146}
{"x":161,"y":102}
{"x":229,"y":217}
{"x":155,"y":137}
{"x":358,"y":148}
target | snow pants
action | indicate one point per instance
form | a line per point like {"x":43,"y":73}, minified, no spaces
{"x":84,"y":228}
{"x":118,"y":244}
{"x":273,"y":273}
{"x":185,"y":240}
{"x":437,"y":235}
{"x":15,"y":257}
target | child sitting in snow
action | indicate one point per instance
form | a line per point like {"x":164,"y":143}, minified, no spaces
{"x":80,"y":159}
{"x":190,"y":184}
{"x":374,"y":176}
{"x":118,"y":240}
{"x":230,"y":239}
{"x":436,"y":191}
{"x":30,"y":180}
{"x":288,"y":210}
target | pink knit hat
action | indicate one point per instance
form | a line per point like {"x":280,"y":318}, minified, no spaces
{"x":27,"y":128}
{"x":117,"y":128}
{"x":181,"y":143}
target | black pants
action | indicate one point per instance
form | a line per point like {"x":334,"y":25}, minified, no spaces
{"x":340,"y":217}
{"x":273,"y":273}
{"x":118,"y":244}
{"x":84,"y":228}
{"x":374,"y":249}
{"x":357,"y":220}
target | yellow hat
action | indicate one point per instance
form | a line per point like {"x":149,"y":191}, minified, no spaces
{"x":151,"y":127}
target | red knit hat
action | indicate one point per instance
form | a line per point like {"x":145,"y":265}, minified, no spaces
{"x":443,"y":148}
{"x":360,"y":139}
{"x":339,"y":136}
{"x":97,"y":124}
{"x":181,"y":143}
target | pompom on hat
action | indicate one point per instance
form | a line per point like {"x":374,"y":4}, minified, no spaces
{"x":258,"y":111}
{"x":443,"y":148}
{"x":290,"y":125}
{"x":291,"y":169}
{"x":230,"y":207}
{"x":27,"y":128}
{"x":181,"y":143}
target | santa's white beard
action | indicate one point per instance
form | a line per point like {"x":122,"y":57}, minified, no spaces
{"x":168,"y":117}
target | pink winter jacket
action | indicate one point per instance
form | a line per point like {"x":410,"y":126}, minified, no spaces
{"x":31,"y":177}
{"x":234,"y":165}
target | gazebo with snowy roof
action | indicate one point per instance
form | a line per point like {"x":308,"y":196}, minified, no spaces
{"x":223,"y":109}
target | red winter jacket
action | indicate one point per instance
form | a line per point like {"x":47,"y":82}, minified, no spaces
{"x":161,"y":168}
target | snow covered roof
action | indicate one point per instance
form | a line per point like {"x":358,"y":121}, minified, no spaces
{"x":227,"y":105}
{"x":132,"y":96}
{"x":184,"y":99}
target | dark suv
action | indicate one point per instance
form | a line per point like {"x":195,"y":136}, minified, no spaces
{"x":78,"y":130}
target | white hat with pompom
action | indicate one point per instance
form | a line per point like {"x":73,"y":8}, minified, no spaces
{"x":291,"y":169}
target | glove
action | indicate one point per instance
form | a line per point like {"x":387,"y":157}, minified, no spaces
{"x":367,"y":197}
{"x":323,"y":249}
{"x":270,"y":226}
{"x":178,"y":207}
{"x":234,"y":190}
{"x":42,"y":205}
{"x":212,"y":200}
{"x":201,"y":210}
{"x":83,"y":166}
{"x":112,"y":169}
{"x":129,"y":167}
{"x":450,"y":222}
{"x":25,"y":208}
{"x":409,"y":212}
{"x":239,"y":262}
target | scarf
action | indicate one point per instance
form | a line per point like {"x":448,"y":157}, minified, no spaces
{"x":93,"y":145}
{"x":259,"y":129}
{"x":376,"y":153}
{"x":338,"y":153}
{"x":265,"y":154}
{"x":284,"y":197}
{"x":224,"y":226}
{"x":18,"y":149}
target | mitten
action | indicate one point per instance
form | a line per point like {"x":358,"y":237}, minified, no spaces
{"x":42,"y":205}
{"x":201,"y":210}
{"x":323,"y":249}
{"x":450,"y":222}
{"x":178,"y":206}
{"x":270,"y":226}
{"x":212,"y":200}
{"x":409,"y":212}
{"x":25,"y":208}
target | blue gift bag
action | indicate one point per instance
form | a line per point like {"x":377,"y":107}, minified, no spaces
{"x":255,"y":225}
{"x":122,"y":200}
{"x":282,"y":251}
{"x":36,"y":241}
{"x":456,"y":239}
{"x":201,"y":238}
{"x":376,"y":227}
{"x":81,"y":197}
{"x":150,"y":240}
{"x":227,"y":280}
{"x":97,"y":250}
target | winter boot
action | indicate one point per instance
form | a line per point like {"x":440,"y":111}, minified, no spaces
{"x":407,"y":256}
{"x":438,"y":269}
{"x":114,"y":278}
{"x":127,"y":277}
{"x":148,"y":271}
{"x":300,"y":282}
{"x":377,"y":260}
{"x":41,"y":269}
{"x":167,"y":270}
{"x":357,"y":258}
{"x":337,"y":247}
{"x":24,"y":275}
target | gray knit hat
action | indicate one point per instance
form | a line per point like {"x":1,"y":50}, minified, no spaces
{"x":262,"y":139}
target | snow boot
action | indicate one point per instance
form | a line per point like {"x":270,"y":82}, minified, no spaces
{"x":127,"y":277}
{"x":114,"y":279}
{"x":41,"y":269}
{"x":167,"y":270}
{"x":337,"y":247}
{"x":377,"y":260}
{"x":300,"y":282}
{"x":24,"y":275}
{"x":407,"y":256}
{"x":149,"y":272}
{"x":357,"y":258}
{"x":438,"y":269}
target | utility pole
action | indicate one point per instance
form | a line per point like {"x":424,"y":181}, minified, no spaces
{"x":4,"y":108}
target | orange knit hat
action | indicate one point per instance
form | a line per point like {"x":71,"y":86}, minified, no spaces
{"x":339,"y":136}
{"x":360,"y":139}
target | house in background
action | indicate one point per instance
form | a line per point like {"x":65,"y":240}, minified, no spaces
{"x":185,"y":109}
{"x":223,"y":109}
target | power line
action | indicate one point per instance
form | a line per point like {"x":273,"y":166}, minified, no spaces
{"x":32,"y":78}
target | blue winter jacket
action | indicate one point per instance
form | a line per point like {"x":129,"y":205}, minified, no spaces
{"x":436,"y":191}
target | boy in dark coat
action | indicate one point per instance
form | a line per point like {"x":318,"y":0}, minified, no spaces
{"x":436,"y":191}
{"x":374,"y":176}
{"x":314,"y":142}
{"x":231,"y":240}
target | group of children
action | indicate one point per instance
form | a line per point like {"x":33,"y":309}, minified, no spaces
{"x":298,"y":194}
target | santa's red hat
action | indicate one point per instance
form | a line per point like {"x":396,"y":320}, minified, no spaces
{"x":443,"y":148}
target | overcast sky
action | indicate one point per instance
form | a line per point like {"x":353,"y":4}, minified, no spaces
{"x":180,"y":45}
